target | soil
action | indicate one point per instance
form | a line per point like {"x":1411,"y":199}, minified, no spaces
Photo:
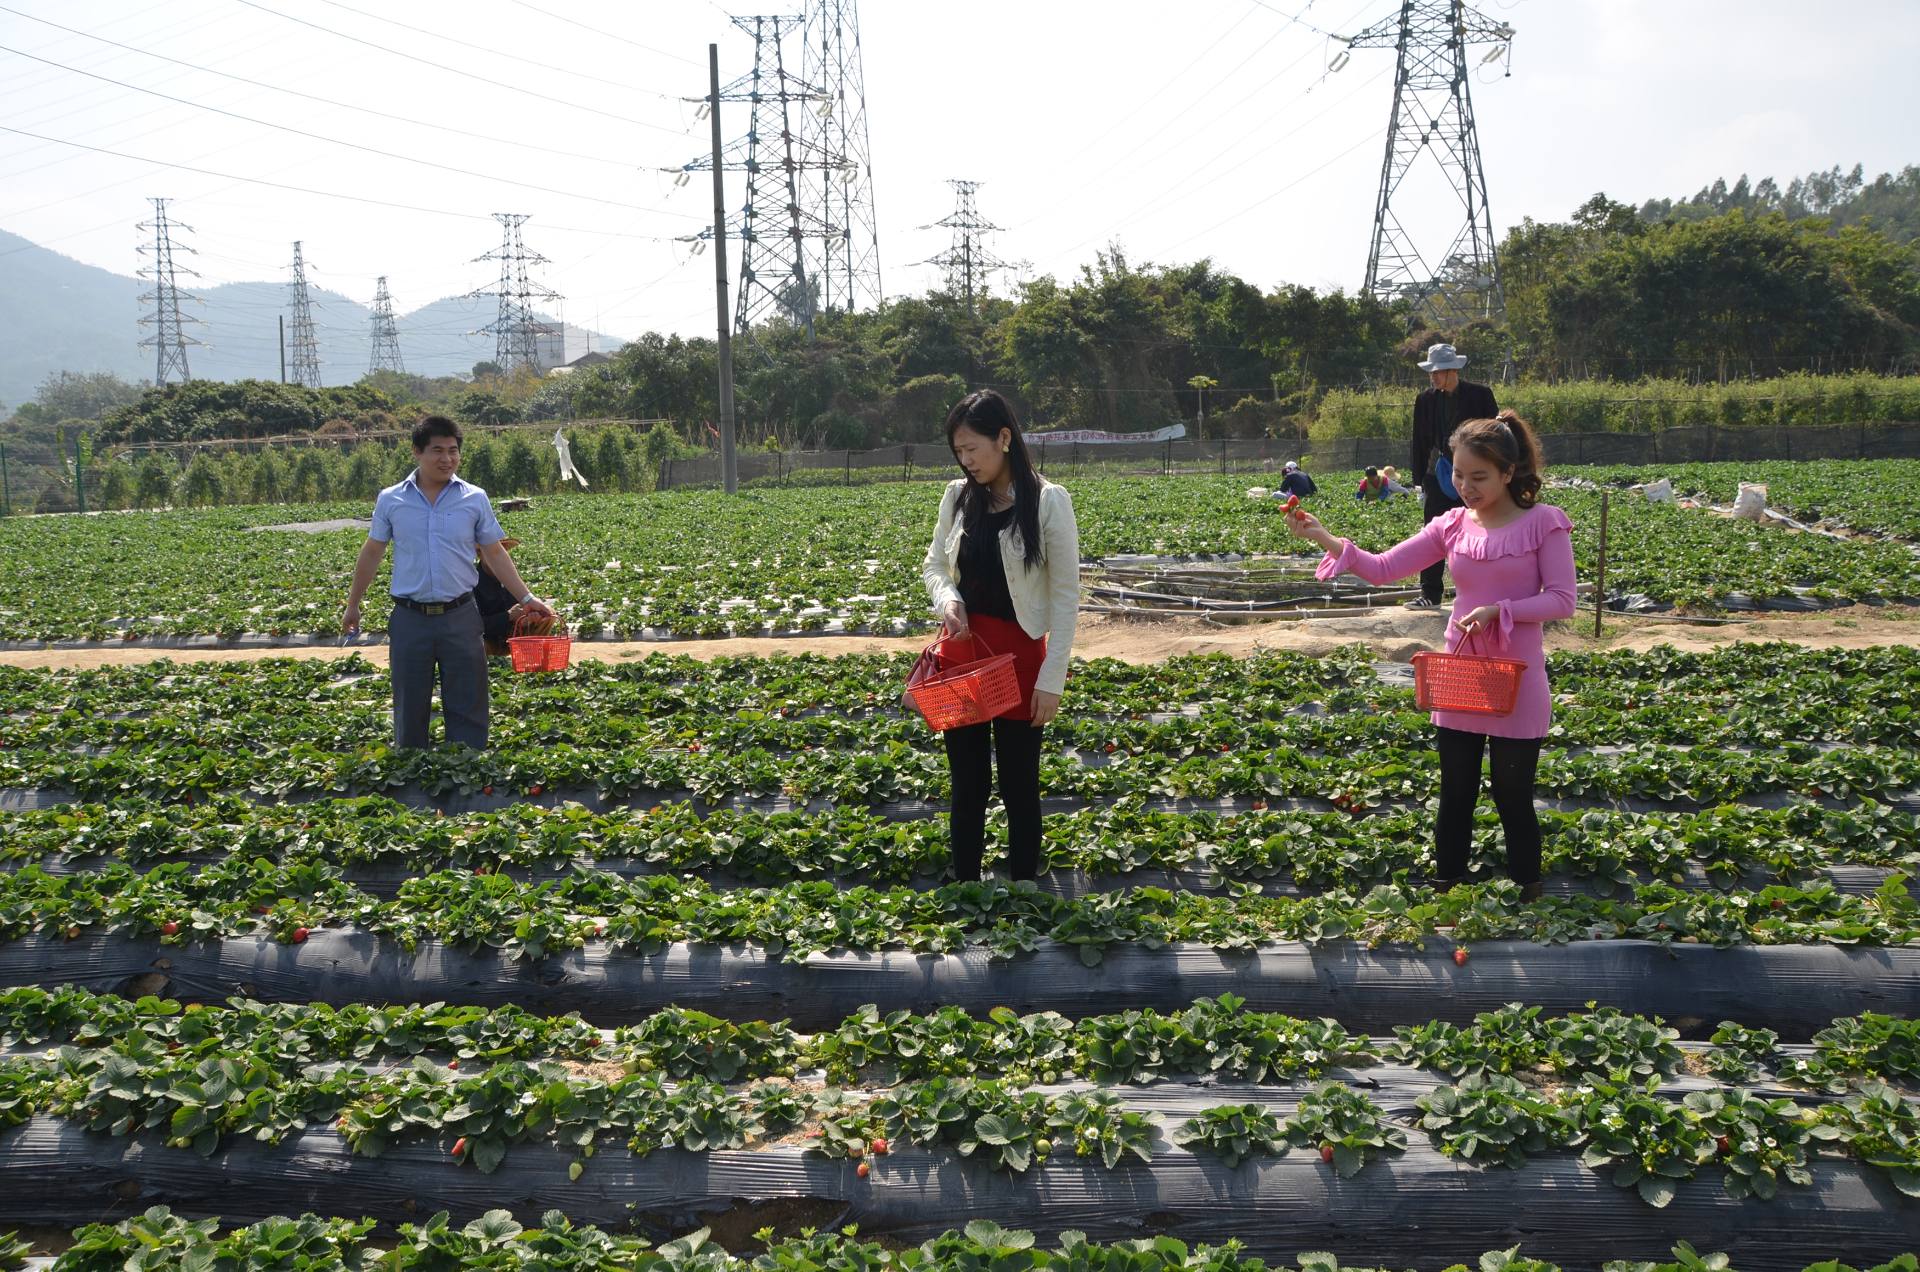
{"x":1393,"y":633}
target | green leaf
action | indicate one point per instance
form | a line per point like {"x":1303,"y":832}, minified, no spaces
{"x":1656,"y":1190}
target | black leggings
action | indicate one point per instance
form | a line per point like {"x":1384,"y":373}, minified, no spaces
{"x":970,"y":755}
{"x":1515,"y":761}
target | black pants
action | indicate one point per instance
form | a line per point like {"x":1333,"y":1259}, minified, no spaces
{"x":1515,"y":761}
{"x":1433,"y":583}
{"x":971,"y":755}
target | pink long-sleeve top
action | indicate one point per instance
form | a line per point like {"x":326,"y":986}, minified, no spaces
{"x":1525,"y":567}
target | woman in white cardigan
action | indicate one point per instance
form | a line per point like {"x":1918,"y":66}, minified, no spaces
{"x":1003,"y":573}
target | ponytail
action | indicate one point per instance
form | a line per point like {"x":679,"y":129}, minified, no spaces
{"x":1510,"y":443}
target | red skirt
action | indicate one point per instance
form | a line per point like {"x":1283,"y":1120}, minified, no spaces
{"x":1001,"y":636}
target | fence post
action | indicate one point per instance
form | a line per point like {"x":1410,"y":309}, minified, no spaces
{"x":6,"y":486}
{"x":1223,"y":456}
{"x":79,"y":474}
{"x":906,"y":461}
{"x":1166,"y":462}
{"x":849,"y":468}
{"x":1600,"y":584}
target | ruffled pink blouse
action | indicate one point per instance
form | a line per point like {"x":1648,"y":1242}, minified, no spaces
{"x":1525,"y":567}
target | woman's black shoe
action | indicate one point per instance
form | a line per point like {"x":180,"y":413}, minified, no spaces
{"x":1530,"y":891}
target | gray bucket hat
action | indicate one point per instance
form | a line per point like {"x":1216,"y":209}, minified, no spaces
{"x":1443,"y":357}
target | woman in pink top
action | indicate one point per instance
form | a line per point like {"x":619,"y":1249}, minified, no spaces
{"x":1512,"y":563}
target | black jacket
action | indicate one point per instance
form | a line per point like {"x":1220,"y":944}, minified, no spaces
{"x":1298,"y":483}
{"x":491,"y":598}
{"x":1434,"y":416}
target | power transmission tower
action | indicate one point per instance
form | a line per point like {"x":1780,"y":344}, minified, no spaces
{"x":771,"y":226}
{"x":386,"y":336}
{"x":967,"y":262}
{"x":1433,"y":114}
{"x":515,"y":333}
{"x":840,"y":197}
{"x":169,"y":339}
{"x":304,"y":366}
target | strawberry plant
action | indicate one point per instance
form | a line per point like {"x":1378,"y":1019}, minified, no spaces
{"x":1647,"y":1143}
{"x":1345,"y":1126}
{"x":1882,"y":1128}
{"x":1233,"y":1133}
{"x":1759,"y":1142}
{"x":1491,"y":1119}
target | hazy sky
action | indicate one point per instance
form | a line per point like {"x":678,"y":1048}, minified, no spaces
{"x":1207,"y":128}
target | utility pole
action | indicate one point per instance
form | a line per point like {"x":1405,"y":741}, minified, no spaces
{"x":967,"y":262}
{"x":729,"y":468}
{"x":281,"y":319}
{"x":386,"y":336}
{"x":169,"y":340}
{"x":306,"y":349}
{"x":1433,"y":114}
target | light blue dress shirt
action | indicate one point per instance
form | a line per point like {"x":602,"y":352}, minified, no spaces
{"x":434,"y":543}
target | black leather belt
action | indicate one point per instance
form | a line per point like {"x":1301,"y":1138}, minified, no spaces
{"x":434,"y":607}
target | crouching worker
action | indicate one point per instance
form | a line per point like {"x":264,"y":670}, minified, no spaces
{"x":1003,"y":573}
{"x":1512,"y":563}
{"x":500,"y":614}
{"x":438,"y":525}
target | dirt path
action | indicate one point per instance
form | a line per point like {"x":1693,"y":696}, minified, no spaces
{"x":1394,"y":633}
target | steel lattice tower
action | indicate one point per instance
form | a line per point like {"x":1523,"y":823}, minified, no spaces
{"x":772,"y":226}
{"x":303,"y":361}
{"x":967,"y":262}
{"x":515,"y":342}
{"x":1433,"y":113}
{"x":169,"y":340}
{"x":840,"y":197}
{"x":386,"y":336}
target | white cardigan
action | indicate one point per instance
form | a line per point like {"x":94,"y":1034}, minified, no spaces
{"x":1046,"y":598}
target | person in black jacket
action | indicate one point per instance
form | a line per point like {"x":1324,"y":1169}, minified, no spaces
{"x":1436,"y":412}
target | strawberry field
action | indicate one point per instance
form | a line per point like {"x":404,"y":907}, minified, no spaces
{"x":696,"y":564}
{"x":679,"y":956}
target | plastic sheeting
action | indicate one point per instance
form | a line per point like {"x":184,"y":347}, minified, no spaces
{"x":1795,"y":990}
{"x":1415,"y":1209}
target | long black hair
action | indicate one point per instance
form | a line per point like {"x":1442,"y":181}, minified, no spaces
{"x":986,"y":413}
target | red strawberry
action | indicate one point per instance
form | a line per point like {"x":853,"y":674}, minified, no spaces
{"x":863,"y":1170}
{"x":342,"y":1124}
{"x":880,"y":1147}
{"x":1459,"y":956}
{"x":1779,"y":903}
{"x":169,"y":928}
{"x":460,"y":1146}
{"x":486,"y":790}
{"x":693,"y":746}
{"x":299,"y":935}
{"x":594,"y":1041}
{"x":1326,"y":1153}
{"x":454,"y":1063}
{"x":1725,"y":1147}
{"x":533,"y":790}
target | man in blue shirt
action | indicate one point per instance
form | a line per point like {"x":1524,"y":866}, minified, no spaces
{"x":437,"y":524}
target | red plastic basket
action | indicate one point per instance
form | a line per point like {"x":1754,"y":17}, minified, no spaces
{"x":1466,"y":682}
{"x":967,"y":694}
{"x":549,"y":651}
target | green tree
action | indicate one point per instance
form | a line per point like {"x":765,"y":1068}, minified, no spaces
{"x":154,"y":486}
{"x":201,"y":485}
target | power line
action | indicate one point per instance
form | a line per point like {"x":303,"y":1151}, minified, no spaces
{"x":351,"y":145}
{"x":329,"y":194}
{"x":608,"y":35}
{"x":454,"y":70}
{"x":568,"y":71}
{"x":325,"y":101}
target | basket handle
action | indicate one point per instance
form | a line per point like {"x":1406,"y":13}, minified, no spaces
{"x":972,"y":636}
{"x":526,"y":623}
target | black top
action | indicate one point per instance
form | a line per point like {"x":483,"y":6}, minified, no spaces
{"x":983,"y":574}
{"x":1434,"y":416}
{"x":490,"y":595}
{"x":1298,"y":483}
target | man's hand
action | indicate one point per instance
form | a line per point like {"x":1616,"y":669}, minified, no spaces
{"x":534,"y":605}
{"x":350,"y":623}
{"x":1045,"y":707}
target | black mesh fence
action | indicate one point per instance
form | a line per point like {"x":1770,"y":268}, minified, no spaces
{"x":931,"y":460}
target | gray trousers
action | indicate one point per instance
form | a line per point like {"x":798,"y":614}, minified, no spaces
{"x":418,"y":645}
